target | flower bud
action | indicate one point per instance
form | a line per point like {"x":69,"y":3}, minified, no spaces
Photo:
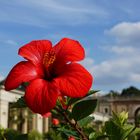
{"x":71,"y":138}
{"x":55,"y":121}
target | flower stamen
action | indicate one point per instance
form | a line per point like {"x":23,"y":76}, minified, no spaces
{"x":49,"y":58}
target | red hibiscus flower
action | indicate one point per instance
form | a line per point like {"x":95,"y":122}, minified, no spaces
{"x":50,"y":72}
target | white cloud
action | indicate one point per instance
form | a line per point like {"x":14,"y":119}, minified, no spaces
{"x":123,"y":68}
{"x":119,"y":71}
{"x":135,"y":77}
{"x":127,"y":33}
{"x":48,"y":12}
{"x":88,"y":63}
{"x":121,"y":50}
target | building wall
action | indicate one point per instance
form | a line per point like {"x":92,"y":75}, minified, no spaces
{"x":36,"y":122}
{"x":106,"y":105}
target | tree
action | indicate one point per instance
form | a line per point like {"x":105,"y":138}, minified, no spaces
{"x":131,"y":91}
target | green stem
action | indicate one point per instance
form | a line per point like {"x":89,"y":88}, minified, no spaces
{"x":73,"y":124}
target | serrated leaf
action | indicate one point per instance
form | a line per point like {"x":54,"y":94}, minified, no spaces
{"x":20,"y":103}
{"x":83,"y":109}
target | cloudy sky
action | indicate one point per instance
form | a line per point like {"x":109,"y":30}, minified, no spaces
{"x":109,"y":31}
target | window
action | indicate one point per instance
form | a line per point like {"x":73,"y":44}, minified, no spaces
{"x":106,"y":110}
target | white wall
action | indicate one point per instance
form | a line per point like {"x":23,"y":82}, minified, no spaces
{"x":5,"y":98}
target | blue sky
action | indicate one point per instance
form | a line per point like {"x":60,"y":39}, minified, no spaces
{"x":109,"y":31}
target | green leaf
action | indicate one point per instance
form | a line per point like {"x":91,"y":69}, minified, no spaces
{"x":92,"y":92}
{"x":85,"y":121}
{"x":68,"y":132}
{"x":97,"y":136}
{"x":120,"y":119}
{"x":112,"y":130}
{"x":83,"y":109}
{"x":92,"y":136}
{"x":73,"y":100}
{"x":127,"y":130}
{"x":10,"y":134}
{"x":118,"y":126}
{"x":20,"y":103}
{"x":22,"y":137}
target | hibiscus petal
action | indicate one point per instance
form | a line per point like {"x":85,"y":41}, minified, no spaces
{"x":47,"y":115}
{"x":35,"y":50}
{"x":22,"y":72}
{"x":69,"y":50}
{"x":41,"y":96}
{"x":74,"y":80}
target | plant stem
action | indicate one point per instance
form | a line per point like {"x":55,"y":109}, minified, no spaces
{"x":73,"y":124}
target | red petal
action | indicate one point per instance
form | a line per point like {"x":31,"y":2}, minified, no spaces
{"x":69,"y":50}
{"x":35,"y":50}
{"x":74,"y":81}
{"x":21,"y":72}
{"x":47,"y":115}
{"x":41,"y":96}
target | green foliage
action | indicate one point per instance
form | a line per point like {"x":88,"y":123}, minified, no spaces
{"x":75,"y":121}
{"x":8,"y":134}
{"x":34,"y":135}
{"x":135,"y":134}
{"x":120,"y":119}
{"x":68,"y":132}
{"x":112,"y":93}
{"x":53,"y":135}
{"x":22,"y":137}
{"x":20,"y":103}
{"x":83,"y":109}
{"x":92,"y":92}
{"x":97,"y":136}
{"x":72,"y":101}
{"x":118,"y":126}
{"x":131,"y":91}
{"x":84,"y":122}
{"x":2,"y":133}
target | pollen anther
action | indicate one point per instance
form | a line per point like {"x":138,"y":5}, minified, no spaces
{"x":49,"y":58}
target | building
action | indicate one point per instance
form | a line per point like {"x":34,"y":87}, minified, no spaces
{"x":107,"y":104}
{"x":21,"y":119}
